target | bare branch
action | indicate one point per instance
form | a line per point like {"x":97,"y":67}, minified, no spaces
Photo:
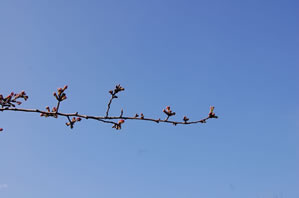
{"x":8,"y":104}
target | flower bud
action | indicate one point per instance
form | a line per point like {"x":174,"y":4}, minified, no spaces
{"x":211,"y":109}
{"x":185,"y":118}
{"x":59,"y":90}
{"x":63,"y":97}
{"x":121,"y":121}
{"x":65,"y":87}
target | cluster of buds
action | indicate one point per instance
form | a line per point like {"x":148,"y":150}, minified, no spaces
{"x":211,"y":113}
{"x":117,"y":89}
{"x":51,"y":113}
{"x":73,"y":121}
{"x":11,"y":99}
{"x":185,"y":119}
{"x":60,"y":95}
{"x":168,"y":111}
{"x":117,"y":125}
{"x":141,"y":116}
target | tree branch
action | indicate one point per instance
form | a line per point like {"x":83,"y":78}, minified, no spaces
{"x":8,"y":104}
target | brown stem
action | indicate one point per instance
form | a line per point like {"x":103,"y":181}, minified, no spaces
{"x":106,"y":119}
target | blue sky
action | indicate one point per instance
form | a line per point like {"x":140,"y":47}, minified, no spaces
{"x":240,"y":56}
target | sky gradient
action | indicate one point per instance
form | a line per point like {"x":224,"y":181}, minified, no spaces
{"x":240,"y":56}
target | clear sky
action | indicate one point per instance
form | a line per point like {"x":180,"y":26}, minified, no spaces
{"x":240,"y":56}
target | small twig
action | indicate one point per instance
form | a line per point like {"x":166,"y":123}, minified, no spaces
{"x":121,"y":113}
{"x":108,"y":108}
{"x":113,"y":93}
{"x":58,"y":104}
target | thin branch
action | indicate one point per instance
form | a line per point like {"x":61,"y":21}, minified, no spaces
{"x":109,"y":104}
{"x":9,"y":104}
{"x":113,"y":93}
{"x":104,"y":118}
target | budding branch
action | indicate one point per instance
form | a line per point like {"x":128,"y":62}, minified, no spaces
{"x":9,"y":103}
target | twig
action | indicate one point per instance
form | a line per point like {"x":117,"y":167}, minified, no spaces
{"x":113,"y":93}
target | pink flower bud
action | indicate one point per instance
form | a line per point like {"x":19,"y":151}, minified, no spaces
{"x":65,"y":87}
{"x":121,"y":121}
{"x":1,"y":129}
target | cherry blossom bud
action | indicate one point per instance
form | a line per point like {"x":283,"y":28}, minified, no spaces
{"x":63,"y":98}
{"x":168,"y":108}
{"x":211,"y":109}
{"x":59,"y":90}
{"x":65,"y":87}
{"x":1,"y":129}
{"x":185,"y":118}
{"x":121,"y":121}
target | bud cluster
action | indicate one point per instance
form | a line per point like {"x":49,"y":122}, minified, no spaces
{"x":185,"y":119}
{"x":51,"y":113}
{"x":73,"y":121}
{"x":117,"y":89}
{"x":168,"y":111}
{"x":60,"y":95}
{"x":117,"y":125}
{"x":211,"y":113}
{"x":11,"y":99}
